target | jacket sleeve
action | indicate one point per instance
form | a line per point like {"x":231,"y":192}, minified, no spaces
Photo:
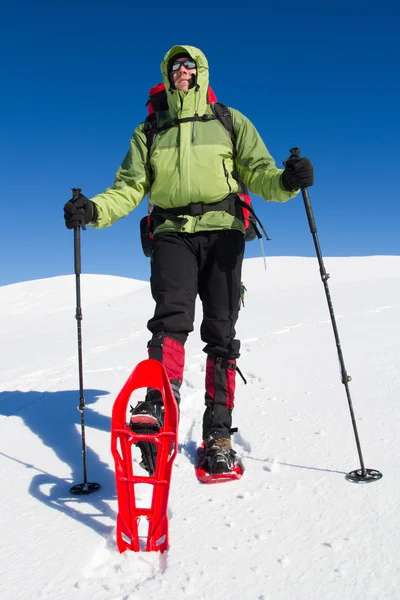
{"x":254,"y":163}
{"x":132,"y":183}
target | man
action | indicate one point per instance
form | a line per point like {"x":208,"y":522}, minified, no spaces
{"x":197,"y":247}
{"x":243,"y":290}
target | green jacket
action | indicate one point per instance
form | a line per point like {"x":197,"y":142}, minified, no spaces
{"x":191,"y":163}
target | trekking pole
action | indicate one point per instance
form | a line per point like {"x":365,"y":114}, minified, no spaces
{"x":361,"y":475}
{"x":86,"y":487}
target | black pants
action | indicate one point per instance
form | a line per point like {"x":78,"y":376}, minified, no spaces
{"x":208,"y":264}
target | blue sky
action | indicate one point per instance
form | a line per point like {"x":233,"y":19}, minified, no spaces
{"x":76,"y":75}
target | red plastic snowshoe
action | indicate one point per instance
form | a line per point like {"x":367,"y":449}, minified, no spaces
{"x":204,"y":476}
{"x":148,"y":373}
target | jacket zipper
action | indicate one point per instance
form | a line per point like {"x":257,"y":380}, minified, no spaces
{"x":227,"y":176}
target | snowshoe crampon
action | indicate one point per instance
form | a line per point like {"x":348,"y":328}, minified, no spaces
{"x":204,"y":476}
{"x":148,"y":373}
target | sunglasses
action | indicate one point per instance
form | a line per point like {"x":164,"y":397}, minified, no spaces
{"x":187,"y":63}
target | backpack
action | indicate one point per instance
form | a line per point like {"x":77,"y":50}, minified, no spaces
{"x":239,"y":204}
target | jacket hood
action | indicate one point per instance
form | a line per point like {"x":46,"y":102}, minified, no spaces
{"x":199,"y":92}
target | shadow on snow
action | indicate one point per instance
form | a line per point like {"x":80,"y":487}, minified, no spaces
{"x":54,"y":418}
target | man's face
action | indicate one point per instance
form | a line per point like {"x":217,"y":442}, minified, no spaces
{"x":182,"y":76}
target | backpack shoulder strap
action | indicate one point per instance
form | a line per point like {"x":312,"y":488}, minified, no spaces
{"x":222,"y":113}
{"x":150,"y":129}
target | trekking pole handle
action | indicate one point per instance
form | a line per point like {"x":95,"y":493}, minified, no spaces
{"x":295,"y":153}
{"x":76,"y":192}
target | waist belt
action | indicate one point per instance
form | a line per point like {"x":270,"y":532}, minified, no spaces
{"x":232,"y":204}
{"x":229,"y":204}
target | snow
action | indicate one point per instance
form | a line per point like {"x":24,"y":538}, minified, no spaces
{"x":292,"y":527}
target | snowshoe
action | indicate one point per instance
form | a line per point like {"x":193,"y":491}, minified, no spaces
{"x":147,"y":418}
{"x":217,"y":462}
{"x":164,"y":417}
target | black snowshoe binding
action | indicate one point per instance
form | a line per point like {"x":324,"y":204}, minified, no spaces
{"x":219,"y":456}
{"x":147,"y":418}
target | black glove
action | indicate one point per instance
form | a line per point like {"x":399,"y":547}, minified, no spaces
{"x":298,"y":173}
{"x":79,"y":212}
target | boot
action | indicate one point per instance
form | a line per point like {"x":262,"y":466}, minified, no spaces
{"x":148,"y":418}
{"x":219,"y":456}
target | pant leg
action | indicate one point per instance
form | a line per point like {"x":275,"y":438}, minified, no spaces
{"x":173,"y":281}
{"x":219,"y":289}
{"x":219,"y":397}
{"x":174,"y":288}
